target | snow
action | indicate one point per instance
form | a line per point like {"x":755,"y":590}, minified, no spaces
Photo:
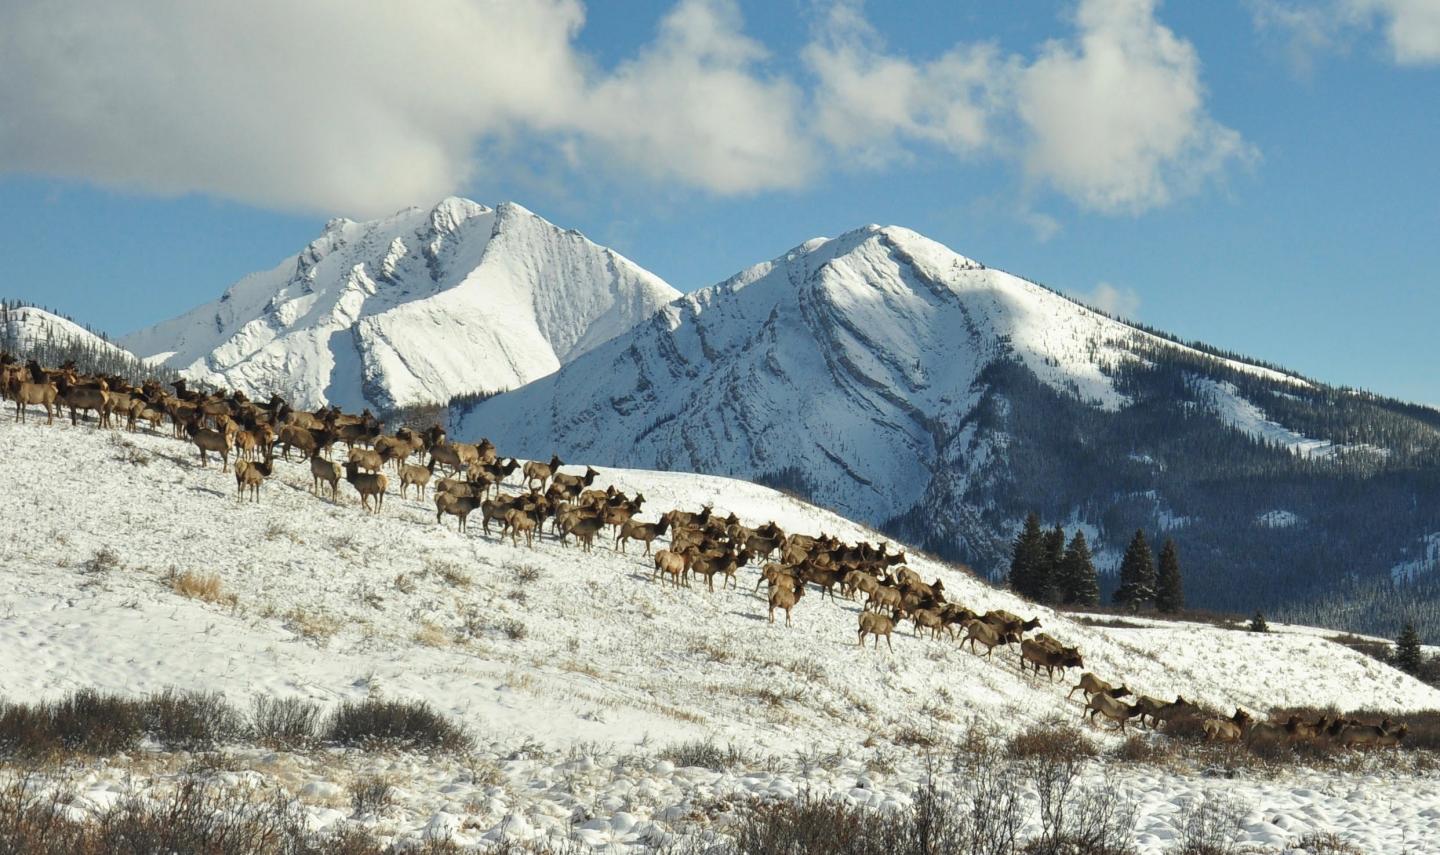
{"x":1234,"y":410}
{"x":414,"y":308}
{"x":1426,"y":562}
{"x":1278,"y":519}
{"x":608,"y":658}
{"x":29,"y":325}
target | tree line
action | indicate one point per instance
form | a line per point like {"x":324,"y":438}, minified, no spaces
{"x":1047,"y":569}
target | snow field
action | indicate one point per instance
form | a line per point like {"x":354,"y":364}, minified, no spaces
{"x":573,"y":651}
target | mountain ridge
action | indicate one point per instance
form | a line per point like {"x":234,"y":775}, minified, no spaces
{"x":883,"y":375}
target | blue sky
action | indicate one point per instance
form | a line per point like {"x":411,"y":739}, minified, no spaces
{"x":1258,"y":174}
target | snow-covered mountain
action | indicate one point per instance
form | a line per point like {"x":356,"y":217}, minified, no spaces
{"x":414,"y":308}
{"x":890,"y":378}
{"x":25,"y":329}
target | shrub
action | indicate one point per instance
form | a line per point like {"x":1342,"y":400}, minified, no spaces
{"x":979,"y":821}
{"x":89,"y":722}
{"x":284,"y":723}
{"x":371,"y":794}
{"x":1209,"y":826}
{"x":398,"y":724}
{"x":196,"y":817}
{"x":1053,"y":739}
{"x":191,"y":720}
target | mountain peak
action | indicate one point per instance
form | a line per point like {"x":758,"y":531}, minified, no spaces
{"x":413,"y":308}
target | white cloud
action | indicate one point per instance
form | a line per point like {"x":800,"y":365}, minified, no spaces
{"x":869,"y":104}
{"x":693,"y":106}
{"x":1411,"y":27}
{"x":1120,"y":302}
{"x":358,"y":107}
{"x":1116,"y":117}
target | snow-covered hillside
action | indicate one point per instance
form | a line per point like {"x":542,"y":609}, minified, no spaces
{"x":29,"y":328}
{"x":414,"y":308}
{"x":854,"y":364}
{"x":324,"y":602}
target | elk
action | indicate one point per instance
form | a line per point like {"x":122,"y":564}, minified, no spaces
{"x":1113,"y":709}
{"x":25,"y":394}
{"x":459,"y":507}
{"x":207,"y":439}
{"x":644,"y":532}
{"x":1093,"y":685}
{"x":326,"y":471}
{"x":541,"y":472}
{"x":873,"y":623}
{"x":1227,"y":730}
{"x":412,"y":474}
{"x":251,"y":474}
{"x":575,"y":483}
{"x":672,"y":565}
{"x":367,"y":484}
{"x":1038,"y":653}
{"x":785,"y":598}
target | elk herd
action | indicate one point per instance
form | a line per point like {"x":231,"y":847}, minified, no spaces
{"x":702,"y":544}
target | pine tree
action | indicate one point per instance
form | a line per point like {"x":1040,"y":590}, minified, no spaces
{"x":1027,"y":560}
{"x":1258,"y":624}
{"x":1407,"y":650}
{"x":1137,"y":574}
{"x":1169,"y":592}
{"x":1079,"y":584}
{"x":1048,"y":584}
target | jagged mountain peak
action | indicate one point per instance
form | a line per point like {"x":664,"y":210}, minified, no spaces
{"x":417,"y":307}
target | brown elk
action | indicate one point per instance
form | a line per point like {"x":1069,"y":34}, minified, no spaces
{"x":541,"y":472}
{"x":873,"y":623}
{"x":367,"y":484}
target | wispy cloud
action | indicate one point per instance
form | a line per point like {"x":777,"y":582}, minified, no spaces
{"x":1411,"y":27}
{"x":1118,"y":301}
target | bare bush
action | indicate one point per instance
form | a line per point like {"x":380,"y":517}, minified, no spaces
{"x":1210,"y":826}
{"x":397,"y":724}
{"x":370,"y":794}
{"x":192,"y":721}
{"x":284,"y":723}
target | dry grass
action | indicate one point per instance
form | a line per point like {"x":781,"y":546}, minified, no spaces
{"x":199,"y":586}
{"x":452,"y":575}
{"x":311,"y":626}
{"x":431,"y":635}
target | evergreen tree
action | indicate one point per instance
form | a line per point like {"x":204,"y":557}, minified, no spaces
{"x":1079,"y":584}
{"x":1407,"y":650}
{"x":1258,"y":624}
{"x":1137,"y":574}
{"x":1049,"y":585}
{"x":1027,"y":570}
{"x":1169,"y":592}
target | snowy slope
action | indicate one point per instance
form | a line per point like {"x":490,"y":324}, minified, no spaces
{"x":29,"y":326}
{"x":607,"y":653}
{"x":857,"y":361}
{"x":400,"y":607}
{"x":414,"y":308}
